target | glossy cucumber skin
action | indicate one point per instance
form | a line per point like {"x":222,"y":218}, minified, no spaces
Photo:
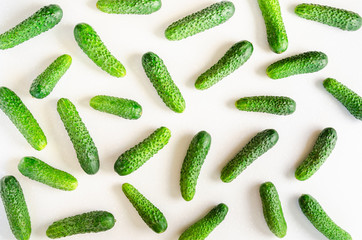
{"x":322,"y":148}
{"x":149,"y":213}
{"x":320,"y":220}
{"x":46,"y":81}
{"x":200,"y":21}
{"x":234,"y":58}
{"x":267,"y":104}
{"x":256,"y":147}
{"x":15,"y":207}
{"x":92,"y":45}
{"x":38,"y":170}
{"x":135,"y":157}
{"x":129,"y":6}
{"x":22,"y":118}
{"x":41,"y":21}
{"x":83,"y":144}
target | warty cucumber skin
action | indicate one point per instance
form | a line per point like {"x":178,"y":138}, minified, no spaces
{"x":267,"y":104}
{"x":234,"y":58}
{"x":92,"y":45}
{"x":149,"y":213}
{"x":41,"y":21}
{"x":15,"y":207}
{"x":38,"y":170}
{"x":22,"y":118}
{"x":129,"y":6}
{"x":320,"y":220}
{"x":200,"y":21}
{"x":83,"y":144}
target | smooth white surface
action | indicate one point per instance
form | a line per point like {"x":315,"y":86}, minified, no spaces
{"x":336,"y":185}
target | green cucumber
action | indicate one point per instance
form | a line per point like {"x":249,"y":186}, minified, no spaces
{"x":267,"y":104}
{"x":129,"y":6}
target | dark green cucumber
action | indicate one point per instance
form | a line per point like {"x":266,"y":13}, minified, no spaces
{"x":92,"y":45}
{"x":149,"y":213}
{"x":267,"y":104}
{"x":307,"y":62}
{"x":90,"y":222}
{"x":38,"y":170}
{"x":322,"y":148}
{"x":256,"y":147}
{"x":22,"y":118}
{"x":190,"y":170}
{"x":83,"y":144}
{"x":129,"y":6}
{"x":200,"y":21}
{"x":160,"y":78}
{"x":15,"y":207}
{"x":234,"y":58}
{"x":41,"y":21}
{"x":320,"y":220}
{"x":351,"y":100}
{"x":135,"y":157}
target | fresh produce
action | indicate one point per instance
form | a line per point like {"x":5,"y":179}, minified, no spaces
{"x":129,"y":6}
{"x":267,"y":104}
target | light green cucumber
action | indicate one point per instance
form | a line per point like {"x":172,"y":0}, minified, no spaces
{"x":129,"y":6}
{"x":267,"y":104}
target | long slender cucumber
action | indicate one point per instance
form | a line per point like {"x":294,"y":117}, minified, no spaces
{"x":129,"y":6}
{"x":267,"y":104}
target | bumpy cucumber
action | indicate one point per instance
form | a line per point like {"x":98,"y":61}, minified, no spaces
{"x":41,"y":21}
{"x":320,"y":220}
{"x":90,"y":222}
{"x":195,"y":156}
{"x":256,"y":147}
{"x":149,"y":213}
{"x":129,"y":6}
{"x":235,"y":57}
{"x":135,"y":157}
{"x":160,"y":78}
{"x":92,"y":45}
{"x":267,"y":104}
{"x":22,"y":118}
{"x":200,"y":21}
{"x":38,"y":170}
{"x":307,"y":62}
{"x":83,"y":144}
{"x":15,"y":207}
{"x":322,"y":148}
{"x":46,"y":81}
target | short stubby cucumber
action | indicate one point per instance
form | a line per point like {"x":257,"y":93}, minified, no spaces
{"x":92,"y":45}
{"x":160,"y":78}
{"x":351,"y":100}
{"x":322,"y":148}
{"x":90,"y":222}
{"x":335,"y":17}
{"x":307,"y":62}
{"x":267,"y":104}
{"x":234,"y":58}
{"x":83,"y":144}
{"x":203,"y":227}
{"x":129,"y":6}
{"x":41,"y":21}
{"x":200,"y":21}
{"x":149,"y":213}
{"x":15,"y":207}
{"x":257,"y":146}
{"x":38,"y":170}
{"x":135,"y":157}
{"x":22,"y":118}
{"x":191,"y":167}
{"x":121,"y":107}
{"x":320,"y":220}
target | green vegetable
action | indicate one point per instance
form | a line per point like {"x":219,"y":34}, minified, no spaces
{"x":267,"y":104}
{"x":129,"y":6}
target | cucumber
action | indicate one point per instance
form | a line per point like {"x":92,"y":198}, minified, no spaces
{"x":90,"y":222}
{"x":22,"y":118}
{"x":160,"y":78}
{"x":307,"y":62}
{"x":267,"y":104}
{"x":46,"y":81}
{"x":83,"y":144}
{"x":190,"y":170}
{"x":149,"y":213}
{"x":129,"y":6}
{"x":135,"y":157}
{"x":257,"y":146}
{"x":92,"y":45}
{"x":200,"y":21}
{"x":38,"y":170}
{"x":322,"y":148}
{"x":234,"y":58}
{"x":15,"y":207}
{"x":41,"y":21}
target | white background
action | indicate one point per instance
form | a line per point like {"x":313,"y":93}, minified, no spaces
{"x":337,"y":185}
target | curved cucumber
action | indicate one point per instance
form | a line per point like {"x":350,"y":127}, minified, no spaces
{"x":129,"y":6}
{"x":267,"y":104}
